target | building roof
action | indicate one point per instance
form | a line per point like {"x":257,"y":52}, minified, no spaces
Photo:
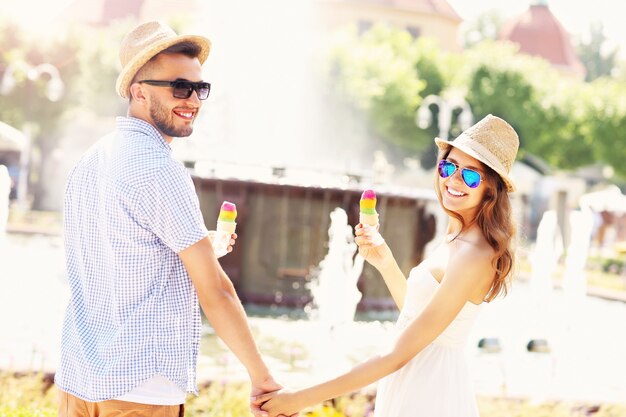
{"x":435,"y":7}
{"x":539,"y":33}
{"x":106,"y":11}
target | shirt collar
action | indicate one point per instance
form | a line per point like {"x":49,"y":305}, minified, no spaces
{"x":132,"y":124}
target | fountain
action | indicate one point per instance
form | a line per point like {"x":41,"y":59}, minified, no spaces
{"x":333,"y":286}
{"x":494,"y":351}
{"x":335,"y":297}
{"x":543,"y":260}
{"x":581,"y":227}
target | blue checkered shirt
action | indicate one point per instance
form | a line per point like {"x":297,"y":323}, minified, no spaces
{"x":133,"y":312}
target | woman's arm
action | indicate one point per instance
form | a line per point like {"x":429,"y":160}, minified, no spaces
{"x":382,"y":259}
{"x":454,"y":291}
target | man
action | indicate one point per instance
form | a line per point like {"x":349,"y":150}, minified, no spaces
{"x":138,"y":254}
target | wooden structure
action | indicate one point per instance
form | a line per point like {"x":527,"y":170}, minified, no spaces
{"x":283,"y":235}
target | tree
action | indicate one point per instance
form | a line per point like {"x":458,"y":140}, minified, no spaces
{"x":486,"y":27}
{"x":605,"y":122}
{"x":597,"y":57}
{"x":383,"y":74}
{"x":86,"y":61}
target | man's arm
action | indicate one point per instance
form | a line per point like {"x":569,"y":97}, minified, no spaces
{"x":223,"y":309}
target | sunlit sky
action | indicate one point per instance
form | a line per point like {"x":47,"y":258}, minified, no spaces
{"x":576,"y":16}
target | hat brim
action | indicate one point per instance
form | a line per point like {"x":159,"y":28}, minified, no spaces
{"x":444,"y":145}
{"x":128,"y":72}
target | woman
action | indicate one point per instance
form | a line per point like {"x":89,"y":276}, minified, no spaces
{"x":424,"y":372}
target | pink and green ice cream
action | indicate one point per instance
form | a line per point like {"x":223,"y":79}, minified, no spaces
{"x":368,"y":215}
{"x":225,"y":228}
{"x":228,"y":212}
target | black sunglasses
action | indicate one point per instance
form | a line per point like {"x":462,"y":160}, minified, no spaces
{"x":470,"y":177}
{"x":182,"y":88}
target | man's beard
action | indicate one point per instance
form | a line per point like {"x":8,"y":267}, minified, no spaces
{"x":161,"y":118}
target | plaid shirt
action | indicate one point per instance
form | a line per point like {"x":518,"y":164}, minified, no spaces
{"x":133,"y":312}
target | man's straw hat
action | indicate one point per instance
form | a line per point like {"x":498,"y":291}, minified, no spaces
{"x":492,"y":141}
{"x":146,"y":41}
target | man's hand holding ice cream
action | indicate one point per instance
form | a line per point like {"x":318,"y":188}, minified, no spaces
{"x":226,"y":226}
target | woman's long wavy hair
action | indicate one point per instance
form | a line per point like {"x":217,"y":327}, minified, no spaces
{"x":494,"y":219}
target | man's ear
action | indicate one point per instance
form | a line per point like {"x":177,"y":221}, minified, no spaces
{"x":137,"y":93}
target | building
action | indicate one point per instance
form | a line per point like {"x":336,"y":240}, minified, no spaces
{"x":539,"y":33}
{"x":432,"y":18}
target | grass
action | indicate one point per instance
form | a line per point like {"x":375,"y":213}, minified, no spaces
{"x":35,"y":396}
{"x":607,"y":272}
{"x":27,"y":396}
{"x":29,"y":221}
{"x":600,"y":272}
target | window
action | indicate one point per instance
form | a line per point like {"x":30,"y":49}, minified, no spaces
{"x":414,"y":31}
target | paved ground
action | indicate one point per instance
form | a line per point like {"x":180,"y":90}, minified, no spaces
{"x":587,"y":335}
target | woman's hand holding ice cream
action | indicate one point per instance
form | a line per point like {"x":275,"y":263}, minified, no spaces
{"x":371,"y":244}
{"x":368,"y":216}
{"x":377,"y":254}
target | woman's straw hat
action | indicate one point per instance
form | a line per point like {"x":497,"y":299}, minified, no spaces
{"x":146,"y":41}
{"x":492,"y":141}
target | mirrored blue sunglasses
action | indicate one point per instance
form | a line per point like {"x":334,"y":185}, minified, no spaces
{"x":470,"y":177}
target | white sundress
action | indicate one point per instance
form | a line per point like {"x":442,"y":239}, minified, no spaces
{"x":436,"y":382}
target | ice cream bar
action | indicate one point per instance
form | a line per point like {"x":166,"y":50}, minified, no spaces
{"x":368,"y":215}
{"x":225,"y":228}
{"x":228,"y":212}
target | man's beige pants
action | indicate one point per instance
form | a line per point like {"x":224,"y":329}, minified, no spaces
{"x":71,"y":406}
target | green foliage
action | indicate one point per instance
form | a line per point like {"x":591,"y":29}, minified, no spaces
{"x":431,"y":66}
{"x":598,"y":61}
{"x":605,"y":122}
{"x":27,"y":396}
{"x":33,"y":396}
{"x":384,"y":74}
{"x":26,"y":412}
{"x":524,"y":408}
{"x":85,"y":58}
{"x":220,"y":399}
{"x":485,"y":27}
{"x":377,"y":74}
{"x":98,"y":63}
{"x":530,"y":95}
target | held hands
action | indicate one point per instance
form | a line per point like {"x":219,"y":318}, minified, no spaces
{"x":266,"y":387}
{"x":367,"y":239}
{"x":231,"y":243}
{"x":283,"y":403}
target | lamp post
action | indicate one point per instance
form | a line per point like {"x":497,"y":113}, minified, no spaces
{"x":447,"y":105}
{"x":53,"y":92}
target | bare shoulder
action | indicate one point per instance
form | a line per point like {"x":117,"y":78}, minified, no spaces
{"x":469,"y":261}
{"x":477,"y":253}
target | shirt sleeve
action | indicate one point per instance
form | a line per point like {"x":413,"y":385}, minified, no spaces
{"x":170,"y":208}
